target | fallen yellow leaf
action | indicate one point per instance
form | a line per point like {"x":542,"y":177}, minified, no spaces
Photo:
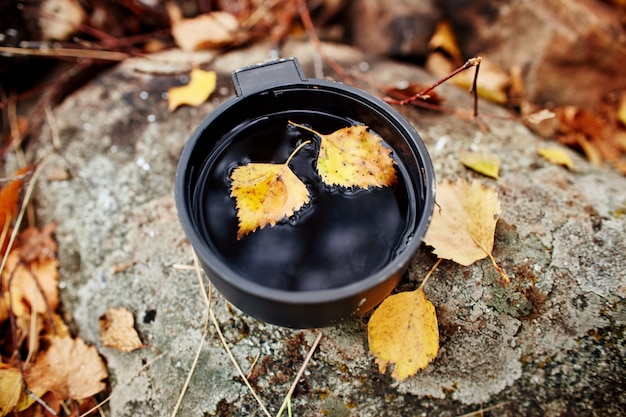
{"x":403,"y":331}
{"x":483,"y":163}
{"x":444,"y":39}
{"x":201,"y":85}
{"x":464,"y":221}
{"x":556,"y":156}
{"x":117,"y":330}
{"x":266,"y":193}
{"x":354,"y":157}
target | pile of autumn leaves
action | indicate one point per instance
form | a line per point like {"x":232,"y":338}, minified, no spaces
{"x":41,"y":365}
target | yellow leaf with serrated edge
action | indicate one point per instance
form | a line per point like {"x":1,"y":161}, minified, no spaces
{"x":201,"y":85}
{"x":464,"y":221}
{"x":266,"y":193}
{"x":483,"y":163}
{"x":403,"y":331}
{"x":556,"y":156}
{"x":354,"y":157}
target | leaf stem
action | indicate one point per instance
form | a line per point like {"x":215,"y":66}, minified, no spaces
{"x":305,"y":128}
{"x":302,"y":145}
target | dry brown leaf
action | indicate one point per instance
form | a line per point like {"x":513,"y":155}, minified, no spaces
{"x":201,"y":85}
{"x":464,"y":221}
{"x":36,"y":244}
{"x":117,"y":330}
{"x":403,"y":331}
{"x":265,"y":194}
{"x":354,"y":157}
{"x":68,"y":368}
{"x":210,"y":30}
{"x":27,"y":295}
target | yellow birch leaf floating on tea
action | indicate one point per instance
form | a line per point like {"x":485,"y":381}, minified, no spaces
{"x":354,"y":157}
{"x":464,"y":221}
{"x":403,"y":331}
{"x":266,"y":193}
{"x":201,"y":85}
{"x":556,"y":156}
{"x":483,"y":163}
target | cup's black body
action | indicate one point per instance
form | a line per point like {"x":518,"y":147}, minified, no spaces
{"x":280,"y":86}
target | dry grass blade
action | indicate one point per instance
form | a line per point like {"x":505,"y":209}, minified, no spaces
{"x":224,"y":344}
{"x":287,"y":400}
{"x":107,"y":399}
{"x":67,"y":53}
{"x":207,"y":300}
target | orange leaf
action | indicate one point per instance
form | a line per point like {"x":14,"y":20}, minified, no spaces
{"x":9,"y":202}
{"x":38,"y":244}
{"x":265,"y":194}
{"x":117,"y":330}
{"x":69,"y":368}
{"x":201,"y":85}
{"x":354,"y":157}
{"x":403,"y":331}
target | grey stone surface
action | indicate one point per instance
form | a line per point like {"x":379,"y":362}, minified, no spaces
{"x":551,"y":343}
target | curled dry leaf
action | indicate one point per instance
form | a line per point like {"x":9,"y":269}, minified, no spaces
{"x":68,"y":368}
{"x":354,"y":157}
{"x":34,"y":285}
{"x":403,"y":331}
{"x":117,"y":330}
{"x":201,"y":85}
{"x":464,"y":221}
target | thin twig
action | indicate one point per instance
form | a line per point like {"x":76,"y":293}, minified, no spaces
{"x":305,"y":16}
{"x":299,"y":374}
{"x":234,"y":361}
{"x":472,"y":62}
{"x":482,"y":410}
